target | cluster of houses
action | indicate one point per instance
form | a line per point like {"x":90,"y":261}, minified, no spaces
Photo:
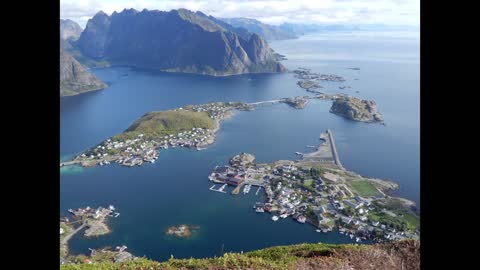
{"x":324,"y":202}
{"x":136,"y":151}
{"x":219,"y":110}
{"x":89,"y":212}
{"x":306,"y":74}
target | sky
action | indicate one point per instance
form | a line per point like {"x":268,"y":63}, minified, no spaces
{"x":388,"y":12}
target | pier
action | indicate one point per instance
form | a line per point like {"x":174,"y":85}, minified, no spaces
{"x":326,"y":152}
{"x":334,"y":150}
{"x":221,"y":189}
{"x":68,"y":163}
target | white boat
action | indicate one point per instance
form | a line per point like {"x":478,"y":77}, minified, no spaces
{"x":357,"y":239}
{"x":284,"y":215}
{"x":152,"y":161}
{"x":259,"y":210}
{"x":274,"y":218}
{"x":111,"y":207}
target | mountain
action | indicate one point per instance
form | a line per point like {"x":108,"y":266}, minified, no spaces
{"x":69,"y":29}
{"x":74,"y":78}
{"x":176,"y":41}
{"x":268,"y":32}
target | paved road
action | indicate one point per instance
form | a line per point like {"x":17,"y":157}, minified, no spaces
{"x":72,"y":233}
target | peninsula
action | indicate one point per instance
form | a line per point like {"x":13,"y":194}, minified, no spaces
{"x":356,"y":109}
{"x":192,"y":126}
{"x":93,"y":219}
{"x":317,"y":190}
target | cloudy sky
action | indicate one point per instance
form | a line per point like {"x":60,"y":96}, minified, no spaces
{"x":389,"y":12}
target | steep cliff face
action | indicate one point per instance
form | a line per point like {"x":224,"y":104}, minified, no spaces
{"x":356,"y":109}
{"x":74,"y":78}
{"x":69,"y":29}
{"x":178,"y":41}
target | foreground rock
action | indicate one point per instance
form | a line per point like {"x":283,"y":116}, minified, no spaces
{"x":393,"y":255}
{"x":356,"y":109}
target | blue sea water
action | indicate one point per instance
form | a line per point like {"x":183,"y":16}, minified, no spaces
{"x":174,"y":190}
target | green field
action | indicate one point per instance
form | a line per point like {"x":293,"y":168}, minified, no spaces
{"x":363,"y":188}
{"x":308,"y":182}
{"x":158,"y":124}
{"x":404,"y":220}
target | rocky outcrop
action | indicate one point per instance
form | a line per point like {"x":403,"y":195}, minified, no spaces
{"x":296,"y":102}
{"x":356,"y":109}
{"x":74,"y":78}
{"x":176,"y":41}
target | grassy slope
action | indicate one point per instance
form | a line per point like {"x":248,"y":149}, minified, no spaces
{"x":157,"y":124}
{"x":302,"y":256}
{"x":363,"y":188}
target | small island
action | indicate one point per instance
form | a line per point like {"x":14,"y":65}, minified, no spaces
{"x":182,"y":231}
{"x":356,"y":109}
{"x":308,"y":85}
{"x":296,"y":102}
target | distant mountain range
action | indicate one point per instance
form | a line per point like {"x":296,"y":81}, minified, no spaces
{"x":74,"y":77}
{"x":268,"y":32}
{"x":69,"y":29}
{"x":176,"y":41}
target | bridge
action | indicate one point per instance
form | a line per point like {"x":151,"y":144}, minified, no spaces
{"x":264,"y":102}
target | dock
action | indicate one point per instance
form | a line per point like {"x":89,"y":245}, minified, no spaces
{"x":68,"y":163}
{"x":334,"y":150}
{"x":221,"y":189}
{"x":326,"y":152}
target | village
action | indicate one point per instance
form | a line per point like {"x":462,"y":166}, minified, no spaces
{"x":130,"y":151}
{"x":315,"y":196}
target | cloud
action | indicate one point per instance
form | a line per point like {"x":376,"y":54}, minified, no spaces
{"x":390,"y":12}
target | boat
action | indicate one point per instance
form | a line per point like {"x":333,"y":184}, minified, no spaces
{"x":317,"y":230}
{"x":116,"y":214}
{"x":298,"y":153}
{"x":351,"y":236}
{"x":357,"y":239}
{"x":111,"y":207}
{"x":201,"y":148}
{"x":259,"y":210}
{"x":274,"y":218}
{"x":152,"y":161}
{"x":284,"y":215}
